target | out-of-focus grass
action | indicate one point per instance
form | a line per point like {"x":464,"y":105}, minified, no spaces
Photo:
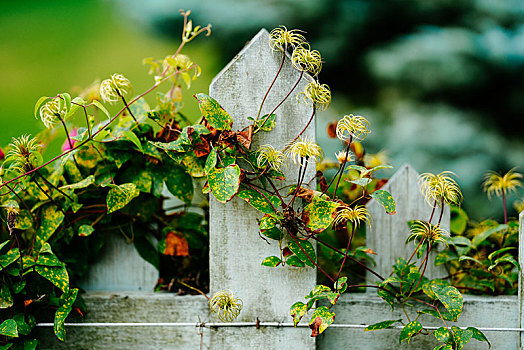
{"x":48,"y":47}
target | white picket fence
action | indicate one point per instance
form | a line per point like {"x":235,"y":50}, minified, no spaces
{"x":123,"y":313}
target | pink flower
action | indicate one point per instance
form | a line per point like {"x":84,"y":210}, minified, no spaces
{"x":66,"y":146}
{"x":2,"y":155}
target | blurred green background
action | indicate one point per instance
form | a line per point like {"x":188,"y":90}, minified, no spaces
{"x":440,"y":81}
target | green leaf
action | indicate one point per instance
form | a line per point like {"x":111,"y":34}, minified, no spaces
{"x":381,"y":325}
{"x":385,"y":199}
{"x":319,"y":214}
{"x":322,"y":292}
{"x":52,"y":217}
{"x":506,"y":258}
{"x":459,"y":220}
{"x":140,"y":108}
{"x":411,"y":329}
{"x":85,"y":230}
{"x":9,"y":329}
{"x":461,"y":336}
{"x":211,"y":110}
{"x":478,"y":335}
{"x":320,"y":320}
{"x":294,"y":261}
{"x":269,"y":124}
{"x":500,"y":251}
{"x":386,"y":296}
{"x":6,"y":299}
{"x":442,"y":334}
{"x":444,"y":257}
{"x":181,"y":144}
{"x":147,"y":251}
{"x":10,"y":257}
{"x":23,"y":220}
{"x":271,"y":261}
{"x":179,"y":183}
{"x":211,"y":161}
{"x":56,"y":275}
{"x":39,"y":103}
{"x":24,"y":327}
{"x":297,"y":311}
{"x":341,"y":284}
{"x":363,"y":182}
{"x":67,"y":300}
{"x":302,"y":254}
{"x":274,"y":233}
{"x":427,"y":287}
{"x":481,"y":237}
{"x":30,"y":344}
{"x":224,"y":182}
{"x":119,"y":196}
{"x":102,"y":108}
{"x":131,"y":136}
{"x":3,"y":244}
{"x":257,"y":201}
{"x":451,"y":298}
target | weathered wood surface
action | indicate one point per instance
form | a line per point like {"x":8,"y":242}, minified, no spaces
{"x":352,"y":308}
{"x":120,"y":268}
{"x":388,"y":233}
{"x":236,"y":249}
{"x":365,"y":309}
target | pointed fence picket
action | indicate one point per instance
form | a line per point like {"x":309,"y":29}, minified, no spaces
{"x":126,"y":318}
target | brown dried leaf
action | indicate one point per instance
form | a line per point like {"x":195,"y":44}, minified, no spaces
{"x":176,"y":245}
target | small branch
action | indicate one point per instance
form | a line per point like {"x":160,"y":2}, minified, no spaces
{"x":270,"y":86}
{"x":343,"y":165}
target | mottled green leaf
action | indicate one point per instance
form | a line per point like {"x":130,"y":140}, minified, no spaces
{"x":266,"y":122}
{"x":85,"y":230}
{"x":427,"y":287}
{"x":387,"y":297}
{"x":147,"y":251}
{"x":341,"y":284}
{"x":181,"y":144}
{"x":271,"y":261}
{"x":39,"y":103}
{"x":9,"y":329}
{"x":24,"y":327}
{"x":120,"y":195}
{"x":140,"y":108}
{"x":411,"y":329}
{"x":302,"y":250}
{"x":319,"y":214}
{"x":213,"y":112}
{"x":257,"y":201}
{"x":322,"y":292}
{"x":442,"y":334}
{"x":459,"y":220}
{"x":385,"y":199}
{"x":52,"y":217}
{"x":224,"y":182}
{"x":274,"y":233}
{"x":381,"y":325}
{"x":6,"y":299}
{"x":461,"y":336}
{"x":294,"y":261}
{"x":3,"y":244}
{"x":179,"y":183}
{"x":56,"y":275}
{"x":30,"y":344}
{"x":507,"y":259}
{"x":211,"y":161}
{"x":451,"y":298}
{"x":6,"y":347}
{"x":24,"y":220}
{"x":10,"y":257}
{"x":478,"y":335}
{"x":320,"y":320}
{"x":445,"y":315}
{"x":444,"y":257}
{"x":297,"y":311}
{"x":67,"y":300}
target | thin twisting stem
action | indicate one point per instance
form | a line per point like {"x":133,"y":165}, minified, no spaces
{"x":270,"y":86}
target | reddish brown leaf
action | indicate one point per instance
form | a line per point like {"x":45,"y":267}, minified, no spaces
{"x":370,"y":251}
{"x":332,"y":129}
{"x":176,"y":245}
{"x":244,"y":137}
{"x":315,"y":326}
{"x":306,"y":194}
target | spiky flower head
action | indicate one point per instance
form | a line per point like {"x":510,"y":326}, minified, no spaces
{"x":343,"y":157}
{"x":307,"y":60}
{"x":354,"y":215}
{"x":304,"y":148}
{"x":427,"y":232}
{"x":280,"y":39}
{"x":52,"y":110}
{"x":498,"y":184}
{"x":317,"y":95}
{"x":112,"y":89}
{"x":225,"y":305}
{"x":440,"y":188}
{"x":23,"y":152}
{"x":352,"y":127}
{"x":268,"y":155}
